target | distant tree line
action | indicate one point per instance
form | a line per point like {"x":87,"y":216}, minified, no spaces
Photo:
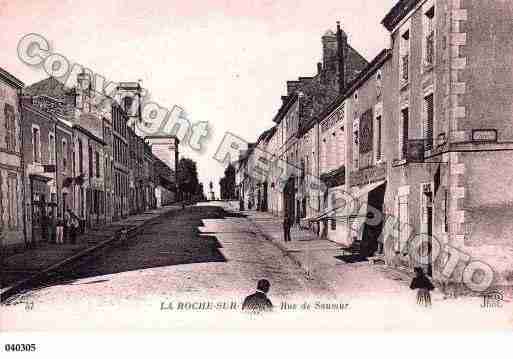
{"x":227,"y":183}
{"x":189,"y":186}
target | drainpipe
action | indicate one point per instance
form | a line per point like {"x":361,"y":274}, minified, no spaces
{"x":23,"y":174}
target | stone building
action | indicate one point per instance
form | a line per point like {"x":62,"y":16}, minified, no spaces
{"x":306,"y":99}
{"x":165,"y":150}
{"x":451,"y":133}
{"x":48,"y":152}
{"x":121,"y":158}
{"x":12,"y":221}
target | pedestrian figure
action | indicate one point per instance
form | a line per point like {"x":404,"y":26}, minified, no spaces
{"x":73,"y":227}
{"x":286,"y":228}
{"x":423,"y":286}
{"x":67,"y":226}
{"x":59,"y":230}
{"x":258,"y":301}
{"x":44,"y":226}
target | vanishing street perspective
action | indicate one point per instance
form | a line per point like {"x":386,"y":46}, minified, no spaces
{"x":377,"y":195}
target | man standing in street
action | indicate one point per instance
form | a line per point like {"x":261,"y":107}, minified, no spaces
{"x":258,"y":301}
{"x":286,"y":228}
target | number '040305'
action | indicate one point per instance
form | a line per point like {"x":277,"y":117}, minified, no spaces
{"x":20,"y":347}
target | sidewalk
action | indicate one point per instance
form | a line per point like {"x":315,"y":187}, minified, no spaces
{"x":20,"y":267}
{"x":321,"y":261}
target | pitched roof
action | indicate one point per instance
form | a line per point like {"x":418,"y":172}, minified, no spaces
{"x":11,"y":79}
{"x":398,"y":12}
{"x":50,"y":87}
{"x":371,"y":68}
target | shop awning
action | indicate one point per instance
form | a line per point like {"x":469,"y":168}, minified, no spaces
{"x":357,"y":194}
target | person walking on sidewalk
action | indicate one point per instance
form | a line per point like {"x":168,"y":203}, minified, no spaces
{"x":286,"y":228}
{"x":59,"y":230}
{"x":423,"y":286}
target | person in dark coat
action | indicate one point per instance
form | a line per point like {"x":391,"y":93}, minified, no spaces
{"x":286,"y":228}
{"x":258,"y":301}
{"x":423,"y":286}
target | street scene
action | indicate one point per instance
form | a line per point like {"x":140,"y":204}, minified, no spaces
{"x":218,"y":167}
{"x":211,"y":256}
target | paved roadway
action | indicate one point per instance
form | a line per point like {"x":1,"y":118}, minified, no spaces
{"x":201,"y":253}
{"x":207,"y":257}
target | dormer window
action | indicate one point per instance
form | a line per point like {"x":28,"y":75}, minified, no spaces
{"x":127,"y":105}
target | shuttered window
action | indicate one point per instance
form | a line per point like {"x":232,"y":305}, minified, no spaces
{"x":404,"y":133}
{"x":428,"y":122}
{"x":10,"y":127}
{"x":379,"y":136}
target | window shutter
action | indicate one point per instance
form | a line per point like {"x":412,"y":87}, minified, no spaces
{"x":428,"y":122}
{"x":404,"y":133}
{"x":379,"y":138}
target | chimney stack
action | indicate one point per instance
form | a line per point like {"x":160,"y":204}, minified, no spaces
{"x":341,"y":46}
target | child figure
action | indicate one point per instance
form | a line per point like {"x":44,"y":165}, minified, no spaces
{"x":423,"y":286}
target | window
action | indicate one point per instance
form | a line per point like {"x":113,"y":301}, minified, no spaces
{"x":356,"y":141}
{"x":64,"y":156}
{"x":97,"y":161}
{"x":12,"y":201}
{"x":127,"y":104}
{"x":429,"y":36}
{"x":80,"y":157}
{"x":90,"y":155}
{"x":378,"y":138}
{"x":51,"y":148}
{"x":428,"y":122}
{"x":405,"y":122}
{"x":405,"y":57}
{"x":36,"y":153}
{"x":10,"y":127}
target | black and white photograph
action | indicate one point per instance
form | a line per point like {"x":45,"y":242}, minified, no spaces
{"x":335,"y":166}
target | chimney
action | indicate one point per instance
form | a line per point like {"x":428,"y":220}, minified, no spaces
{"x":341,"y":53}
{"x":292,"y":86}
{"x":84,"y":81}
{"x":329,"y":51}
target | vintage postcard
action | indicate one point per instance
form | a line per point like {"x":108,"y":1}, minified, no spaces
{"x":220,"y":165}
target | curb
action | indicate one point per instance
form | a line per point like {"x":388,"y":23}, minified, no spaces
{"x":280,"y":246}
{"x":32,"y":280}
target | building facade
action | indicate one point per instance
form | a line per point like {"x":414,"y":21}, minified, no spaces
{"x":416,"y":144}
{"x":452,"y":131}
{"x":12,"y":221}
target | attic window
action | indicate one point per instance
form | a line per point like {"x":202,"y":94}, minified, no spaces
{"x":356,"y":95}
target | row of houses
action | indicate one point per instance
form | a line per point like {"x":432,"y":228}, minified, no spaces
{"x":71,"y":149}
{"x":419,"y":140}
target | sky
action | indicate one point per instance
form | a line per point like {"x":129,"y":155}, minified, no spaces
{"x":223,"y":61}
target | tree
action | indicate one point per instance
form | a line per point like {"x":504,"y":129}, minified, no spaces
{"x":227,"y":183}
{"x":201,"y":192}
{"x":222,"y":188}
{"x":187,"y":178}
